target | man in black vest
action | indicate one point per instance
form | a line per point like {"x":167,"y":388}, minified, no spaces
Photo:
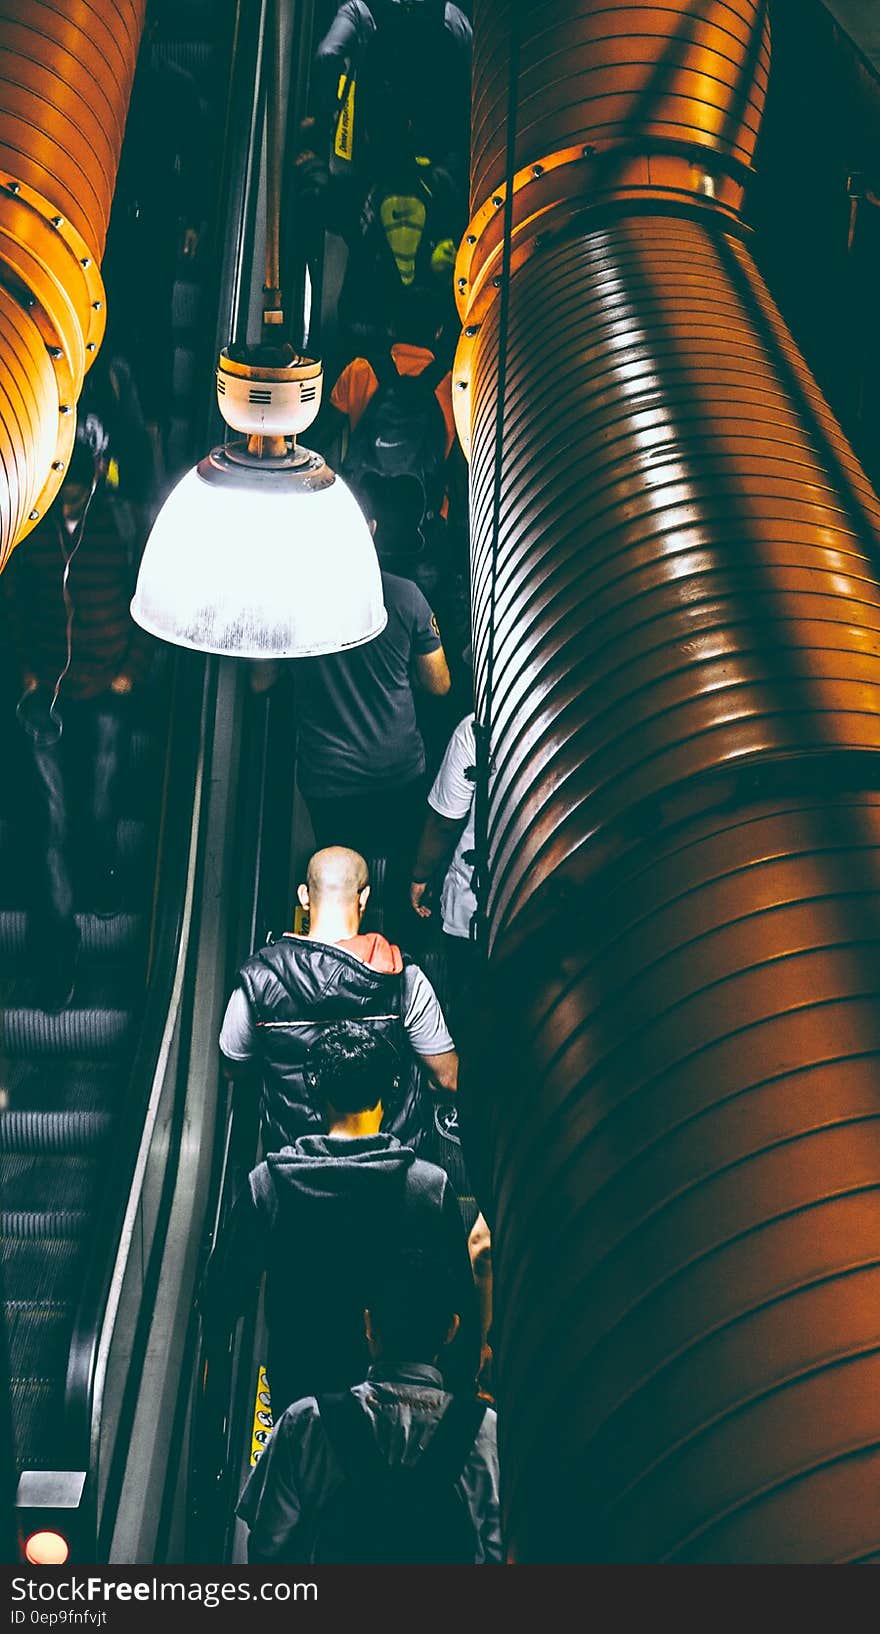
{"x":291,"y":990}
{"x":327,"y":1216}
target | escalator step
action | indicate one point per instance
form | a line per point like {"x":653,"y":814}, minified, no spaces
{"x":98,"y":937}
{"x":71,"y":1132}
{"x":63,"y":1086}
{"x":27,"y":1031}
{"x":131,"y":838}
{"x":40,"y":1271}
{"x":32,"y":1224}
{"x":37,"y":1413}
{"x":41,"y":1182}
{"x":38,"y":1335}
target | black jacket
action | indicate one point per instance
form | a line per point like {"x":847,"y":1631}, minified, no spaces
{"x":320,"y":1218}
{"x":296,"y":986}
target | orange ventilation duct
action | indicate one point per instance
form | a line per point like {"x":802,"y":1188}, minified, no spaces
{"x":676,"y":567}
{"x":66,"y":70}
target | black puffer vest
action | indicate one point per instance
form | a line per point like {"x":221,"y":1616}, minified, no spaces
{"x":295,"y":987}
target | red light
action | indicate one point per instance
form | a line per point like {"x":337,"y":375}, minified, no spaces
{"x":46,"y":1549}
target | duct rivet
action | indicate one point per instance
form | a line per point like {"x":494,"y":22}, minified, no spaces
{"x":461,"y":385}
{"x":14,"y":187}
{"x":537,"y":170}
{"x":54,"y":351}
{"x":588,"y":152}
{"x":462,"y":283}
{"x":86,"y":261}
{"x":497,"y":281}
{"x":57,"y":221}
{"x":33,"y":516}
{"x":91,"y":346}
{"x":64,"y":409}
{"x":471,"y":330}
{"x":96,"y":306}
{"x":57,"y":465}
{"x":497,"y":201}
{"x":471,"y":238}
{"x":30,"y":300}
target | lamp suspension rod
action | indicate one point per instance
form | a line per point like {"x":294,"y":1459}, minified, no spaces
{"x":273,"y":313}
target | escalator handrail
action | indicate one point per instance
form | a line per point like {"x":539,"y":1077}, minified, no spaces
{"x":112,"y":1234}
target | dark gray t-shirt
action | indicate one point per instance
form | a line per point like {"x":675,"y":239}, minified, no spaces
{"x":358,"y":732}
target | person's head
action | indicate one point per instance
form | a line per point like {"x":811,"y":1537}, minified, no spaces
{"x":336,"y":887}
{"x":351,"y":1069}
{"x":394,"y":508}
{"x":417,"y":319}
{"x":87,"y":464}
{"x":411,"y":1314}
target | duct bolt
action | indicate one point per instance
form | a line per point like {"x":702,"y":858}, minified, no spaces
{"x":461,"y":385}
{"x":471,"y":238}
{"x":471,"y":330}
{"x":54,"y":351}
{"x":497,"y":201}
{"x":537,"y":170}
{"x":57,"y":465}
{"x":57,"y":221}
{"x":588,"y":152}
{"x":33,"y":516}
{"x":497,"y":281}
{"x":96,"y":306}
{"x":462,"y":283}
{"x":64,"y":409}
{"x":86,"y":261}
{"x":14,"y":187}
{"x":91,"y":347}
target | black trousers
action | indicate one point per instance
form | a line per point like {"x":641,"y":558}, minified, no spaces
{"x":73,"y":808}
{"x":379,"y":825}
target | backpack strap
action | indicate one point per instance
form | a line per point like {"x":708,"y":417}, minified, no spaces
{"x":435,"y":372}
{"x":449,"y":1448}
{"x":347,"y":1428}
{"x":385,"y":369}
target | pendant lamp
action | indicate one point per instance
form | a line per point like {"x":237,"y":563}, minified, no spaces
{"x":261,"y":551}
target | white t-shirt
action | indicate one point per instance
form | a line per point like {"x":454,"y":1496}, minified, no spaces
{"x":452,"y":796}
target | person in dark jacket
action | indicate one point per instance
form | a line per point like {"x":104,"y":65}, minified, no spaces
{"x":80,"y":656}
{"x":293,"y":1495}
{"x":291,"y":990}
{"x":324,"y":1217}
{"x":411,"y":62}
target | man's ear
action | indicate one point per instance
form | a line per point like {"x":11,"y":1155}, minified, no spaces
{"x":364,"y":897}
{"x":453,"y":1328}
{"x":302,"y":896}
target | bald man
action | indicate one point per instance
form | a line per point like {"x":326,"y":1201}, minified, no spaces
{"x":293,"y":988}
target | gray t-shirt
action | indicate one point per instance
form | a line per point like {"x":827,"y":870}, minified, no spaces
{"x":358,"y":732}
{"x":423,"y":1020}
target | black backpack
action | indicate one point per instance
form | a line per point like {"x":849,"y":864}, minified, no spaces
{"x":391,"y":1514}
{"x":402,"y":432}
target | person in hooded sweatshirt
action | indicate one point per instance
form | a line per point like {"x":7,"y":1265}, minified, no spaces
{"x":324,"y":1217}
{"x":290,"y":990}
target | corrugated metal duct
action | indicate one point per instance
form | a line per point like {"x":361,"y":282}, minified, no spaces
{"x":677,"y":646}
{"x":66,"y":70}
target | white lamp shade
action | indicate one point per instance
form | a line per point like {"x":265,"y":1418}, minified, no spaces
{"x":231,"y":569}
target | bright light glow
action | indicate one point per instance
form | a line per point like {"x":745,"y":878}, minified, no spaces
{"x":46,"y":1549}
{"x":260,"y":573}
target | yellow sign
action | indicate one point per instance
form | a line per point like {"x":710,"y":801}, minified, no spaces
{"x":343,"y":145}
{"x":262,"y":1417}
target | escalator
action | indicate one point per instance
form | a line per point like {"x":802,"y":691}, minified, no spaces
{"x":66,"y":1078}
{"x":93,"y":1096}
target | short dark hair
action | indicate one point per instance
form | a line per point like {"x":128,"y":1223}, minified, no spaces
{"x":352,"y":1067}
{"x":411,"y":1306}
